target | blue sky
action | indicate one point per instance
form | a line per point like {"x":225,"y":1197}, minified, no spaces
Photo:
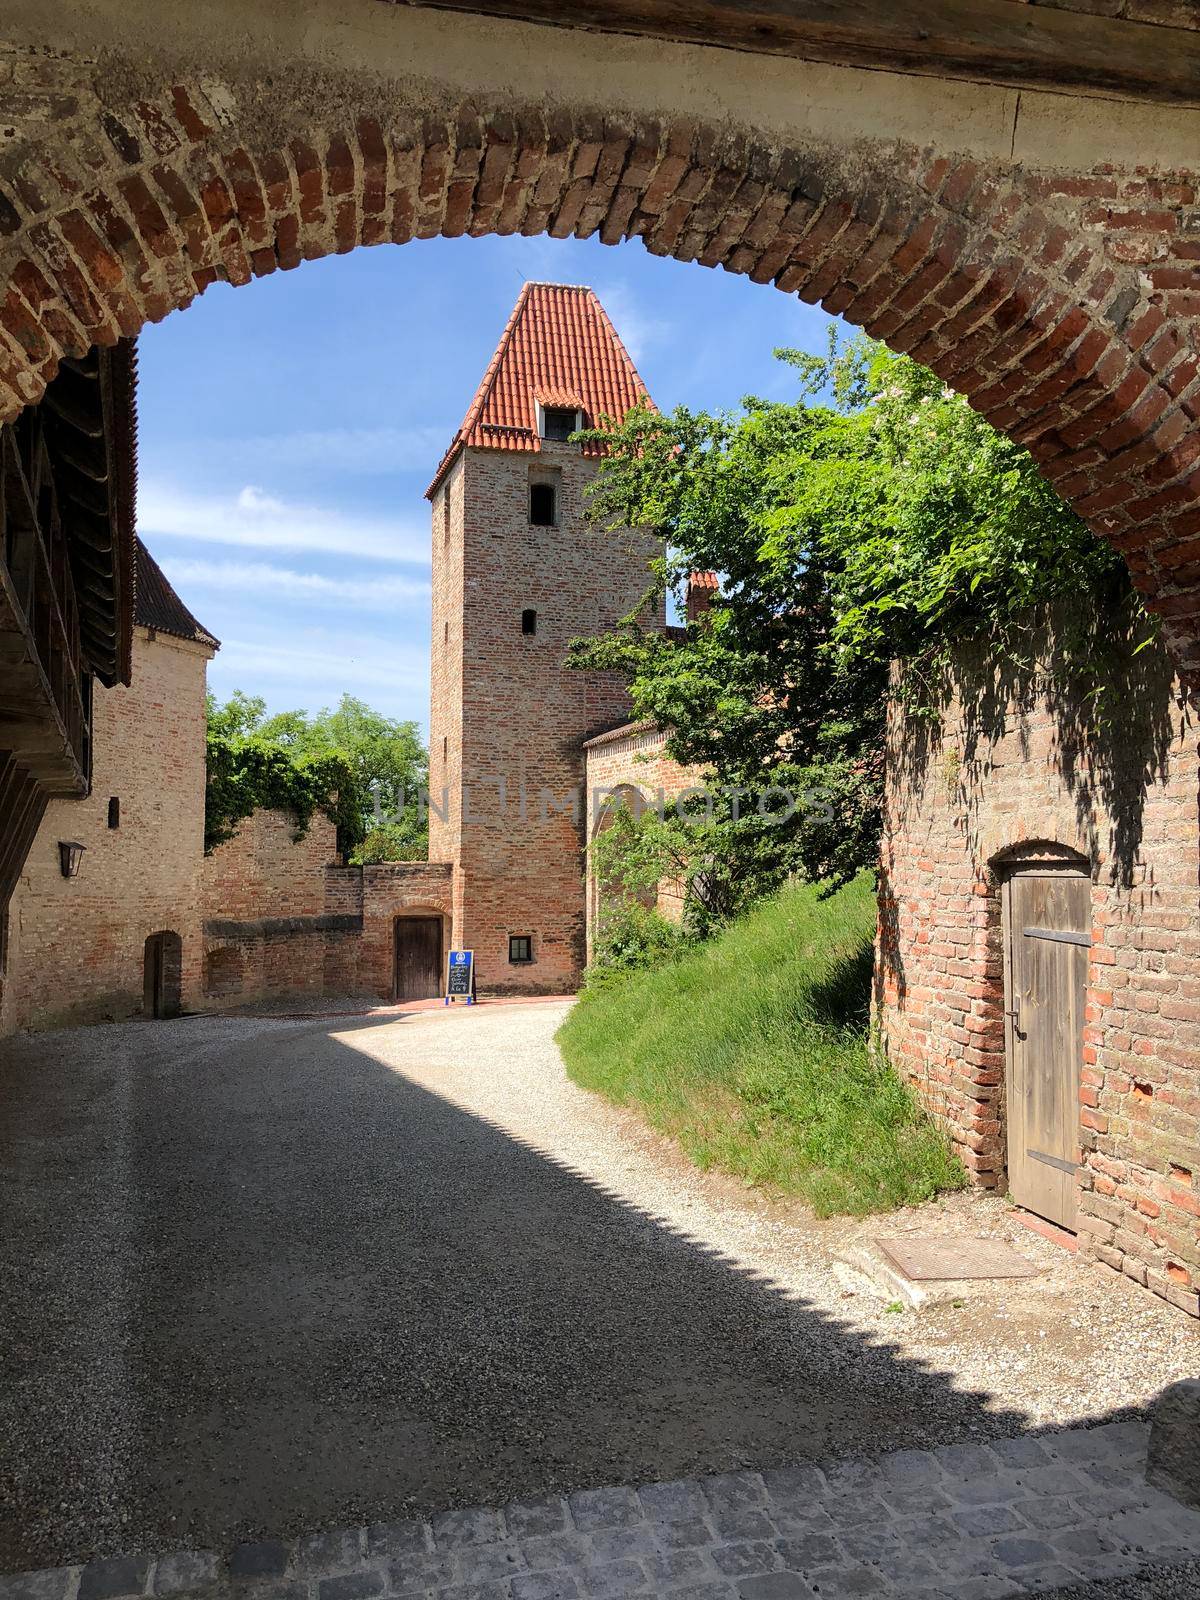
{"x":288,"y":430}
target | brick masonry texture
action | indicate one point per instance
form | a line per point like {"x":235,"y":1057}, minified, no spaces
{"x":285,"y":921}
{"x":630,"y":766}
{"x":1062,"y":303}
{"x":1007,"y":767}
{"x":508,"y":717}
{"x":76,"y":945}
{"x":964,"y":1522}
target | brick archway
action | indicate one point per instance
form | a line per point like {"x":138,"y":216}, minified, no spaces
{"x":1060,"y":302}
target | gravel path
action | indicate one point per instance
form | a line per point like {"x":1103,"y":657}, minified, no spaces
{"x":261,"y":1277}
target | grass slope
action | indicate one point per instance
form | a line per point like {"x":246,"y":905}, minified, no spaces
{"x":752,"y":1051}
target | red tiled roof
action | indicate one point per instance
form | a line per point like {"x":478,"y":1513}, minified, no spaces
{"x":559,"y":348}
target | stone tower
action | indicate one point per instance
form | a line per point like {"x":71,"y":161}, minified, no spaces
{"x":518,"y":572}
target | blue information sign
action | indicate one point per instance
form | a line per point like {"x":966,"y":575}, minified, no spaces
{"x":460,"y":977}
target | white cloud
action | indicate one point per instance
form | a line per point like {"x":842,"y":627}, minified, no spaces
{"x":258,"y":520}
{"x":259,"y":578}
{"x":320,"y":669}
{"x":364,"y":451}
{"x":638,"y":329}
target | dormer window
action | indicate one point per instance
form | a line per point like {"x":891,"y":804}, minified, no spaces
{"x":559,"y":422}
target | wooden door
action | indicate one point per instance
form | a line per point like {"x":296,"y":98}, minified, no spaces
{"x":154,"y":976}
{"x":1047,"y":934}
{"x":418,"y":972}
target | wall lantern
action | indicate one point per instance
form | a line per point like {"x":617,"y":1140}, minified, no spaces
{"x":70,"y":854}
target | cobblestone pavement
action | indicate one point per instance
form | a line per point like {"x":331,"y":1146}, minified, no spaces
{"x":963,"y":1522}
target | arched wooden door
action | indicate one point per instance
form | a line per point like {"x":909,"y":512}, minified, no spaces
{"x":418,"y":958}
{"x":1047,"y":922}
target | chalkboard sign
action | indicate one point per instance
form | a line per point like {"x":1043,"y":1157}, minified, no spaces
{"x":460,"y":977}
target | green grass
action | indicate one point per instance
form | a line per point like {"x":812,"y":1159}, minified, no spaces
{"x":752,"y":1051}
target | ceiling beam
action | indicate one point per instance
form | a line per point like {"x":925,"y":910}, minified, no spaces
{"x":997,"y":41}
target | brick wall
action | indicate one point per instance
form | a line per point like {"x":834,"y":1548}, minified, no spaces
{"x":265,"y":871}
{"x":1051,"y":278}
{"x":632,"y":762}
{"x":507,"y":711}
{"x":390,"y":890}
{"x":77,"y":945}
{"x":1008,"y":765}
{"x":284,"y":923}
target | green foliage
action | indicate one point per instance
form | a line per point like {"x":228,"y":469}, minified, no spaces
{"x":632,"y":937}
{"x":877,"y":517}
{"x":752,"y":1051}
{"x":247,"y":773}
{"x":356,"y":765}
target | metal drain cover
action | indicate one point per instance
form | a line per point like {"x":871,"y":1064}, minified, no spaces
{"x":949,"y":1257}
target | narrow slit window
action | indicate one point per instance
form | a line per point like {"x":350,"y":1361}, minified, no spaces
{"x":114,"y":812}
{"x":520,"y":948}
{"x":446,"y":513}
{"x":528,"y":622}
{"x":541,"y":505}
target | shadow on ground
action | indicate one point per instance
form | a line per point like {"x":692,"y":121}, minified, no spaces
{"x":263,"y":1285}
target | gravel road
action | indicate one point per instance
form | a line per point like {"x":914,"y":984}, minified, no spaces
{"x":259,"y":1277}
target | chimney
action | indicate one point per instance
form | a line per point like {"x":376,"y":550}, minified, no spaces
{"x":702,"y":586}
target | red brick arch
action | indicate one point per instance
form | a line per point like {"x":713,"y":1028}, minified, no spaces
{"x":1062,"y":306}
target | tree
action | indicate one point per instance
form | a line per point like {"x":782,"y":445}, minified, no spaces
{"x":240,"y":716}
{"x":379,"y":763}
{"x":388,"y":759}
{"x":876,"y":517}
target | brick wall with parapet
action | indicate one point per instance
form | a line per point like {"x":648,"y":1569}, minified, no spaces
{"x":285,"y":922}
{"x":77,"y":945}
{"x":1006,"y":765}
{"x":634,"y":757}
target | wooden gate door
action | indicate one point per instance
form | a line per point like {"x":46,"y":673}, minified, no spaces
{"x":1047,"y":934}
{"x":418,"y":973}
{"x":153,"y":981}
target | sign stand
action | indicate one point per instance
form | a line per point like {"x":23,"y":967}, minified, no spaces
{"x":460,"y":977}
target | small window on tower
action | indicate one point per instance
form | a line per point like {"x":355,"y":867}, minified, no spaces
{"x":446,"y":513}
{"x":559,"y":423}
{"x":114,"y":812}
{"x":520,"y":948}
{"x":528,"y":622}
{"x":541,"y":505}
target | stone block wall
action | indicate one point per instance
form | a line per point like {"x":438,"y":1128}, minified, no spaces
{"x":1011,"y":763}
{"x":76,"y":947}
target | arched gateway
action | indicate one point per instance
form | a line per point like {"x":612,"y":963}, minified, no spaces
{"x":1035,"y":246}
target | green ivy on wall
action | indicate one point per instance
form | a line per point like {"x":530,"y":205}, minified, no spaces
{"x":246,"y":774}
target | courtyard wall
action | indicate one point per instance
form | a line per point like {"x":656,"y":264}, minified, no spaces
{"x":1015,"y":758}
{"x":286,"y":922}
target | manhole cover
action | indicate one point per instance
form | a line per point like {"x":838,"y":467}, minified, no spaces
{"x":923,"y":1259}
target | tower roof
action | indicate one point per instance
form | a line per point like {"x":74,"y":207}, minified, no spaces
{"x":560,"y":349}
{"x":157,"y":606}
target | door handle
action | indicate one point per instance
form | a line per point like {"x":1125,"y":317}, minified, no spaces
{"x":1015,"y":1013}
